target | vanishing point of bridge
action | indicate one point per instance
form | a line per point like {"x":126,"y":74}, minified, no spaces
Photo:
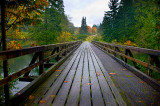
{"x":85,"y":75}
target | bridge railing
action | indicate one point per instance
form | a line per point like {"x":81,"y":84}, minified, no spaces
{"x":126,"y":53}
{"x":56,"y":51}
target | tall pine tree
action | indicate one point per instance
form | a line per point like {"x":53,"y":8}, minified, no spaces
{"x":83,"y":29}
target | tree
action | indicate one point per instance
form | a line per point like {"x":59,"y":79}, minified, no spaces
{"x":19,"y":13}
{"x":55,"y":23}
{"x":113,"y":5}
{"x":83,"y":29}
{"x":94,"y":29}
{"x":89,"y":29}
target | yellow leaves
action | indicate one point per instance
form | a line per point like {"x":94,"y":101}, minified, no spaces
{"x":37,"y":13}
{"x":64,"y":37}
{"x":13,"y":45}
{"x":94,"y":29}
{"x":31,"y":97}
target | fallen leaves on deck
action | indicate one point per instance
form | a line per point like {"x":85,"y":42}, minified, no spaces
{"x":58,"y":70}
{"x":112,"y":73}
{"x":42,"y":101}
{"x":89,"y":84}
{"x":65,"y":81}
{"x":141,"y":82}
{"x":31,"y":97}
{"x":98,"y":73}
{"x":123,"y":69}
{"x":52,"y":96}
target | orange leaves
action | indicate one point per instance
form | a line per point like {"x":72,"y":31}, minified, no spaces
{"x":52,"y":96}
{"x":94,"y":30}
{"x":141,"y":82}
{"x":31,"y":97}
{"x":89,"y":84}
{"x":112,"y":73}
{"x":89,"y":29}
{"x":65,"y":81}
{"x":58,"y":70}
{"x":98,"y":73}
{"x":42,"y":101}
{"x":13,"y":45}
{"x":129,"y":43}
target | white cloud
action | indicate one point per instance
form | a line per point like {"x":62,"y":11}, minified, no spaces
{"x":93,"y":10}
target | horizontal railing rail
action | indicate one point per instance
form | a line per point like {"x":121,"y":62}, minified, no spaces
{"x":56,"y":51}
{"x":116,"y":49}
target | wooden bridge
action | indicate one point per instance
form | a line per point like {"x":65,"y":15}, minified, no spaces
{"x":86,"y":74}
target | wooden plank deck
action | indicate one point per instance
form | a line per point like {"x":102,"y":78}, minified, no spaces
{"x":83,"y":80}
{"x":134,"y":91}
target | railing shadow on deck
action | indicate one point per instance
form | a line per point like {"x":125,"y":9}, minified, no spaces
{"x":56,"y":51}
{"x":126,"y":53}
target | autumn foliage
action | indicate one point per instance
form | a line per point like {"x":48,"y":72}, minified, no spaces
{"x":64,"y":37}
{"x":20,"y":13}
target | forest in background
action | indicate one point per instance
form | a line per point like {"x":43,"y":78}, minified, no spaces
{"x":41,"y":22}
{"x":132,"y":22}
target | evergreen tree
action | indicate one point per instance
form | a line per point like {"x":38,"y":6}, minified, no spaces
{"x":83,"y":29}
{"x":54,"y":24}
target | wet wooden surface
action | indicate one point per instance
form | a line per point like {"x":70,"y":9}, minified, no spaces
{"x":90,"y":77}
{"x":81,"y":80}
{"x":133,"y":90}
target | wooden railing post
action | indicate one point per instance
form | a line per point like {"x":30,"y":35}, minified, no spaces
{"x":150,"y":62}
{"x":117,"y":49}
{"x":32,"y":62}
{"x":126,"y":53}
{"x":57,"y":50}
{"x":6,"y":87}
{"x":41,"y":67}
{"x":65,"y":52}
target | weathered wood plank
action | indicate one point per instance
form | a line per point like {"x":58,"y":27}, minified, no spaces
{"x":97,"y":98}
{"x":57,"y":84}
{"x":129,"y":81}
{"x":107,"y":93}
{"x":38,"y":93}
{"x":61,"y":97}
{"x":73,"y":98}
{"x":138,"y":73}
{"x":85,"y":97}
{"x":25,"y":92}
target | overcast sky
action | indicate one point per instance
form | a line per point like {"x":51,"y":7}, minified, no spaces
{"x":93,"y":10}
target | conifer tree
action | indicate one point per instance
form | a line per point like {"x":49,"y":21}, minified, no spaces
{"x":83,"y":29}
